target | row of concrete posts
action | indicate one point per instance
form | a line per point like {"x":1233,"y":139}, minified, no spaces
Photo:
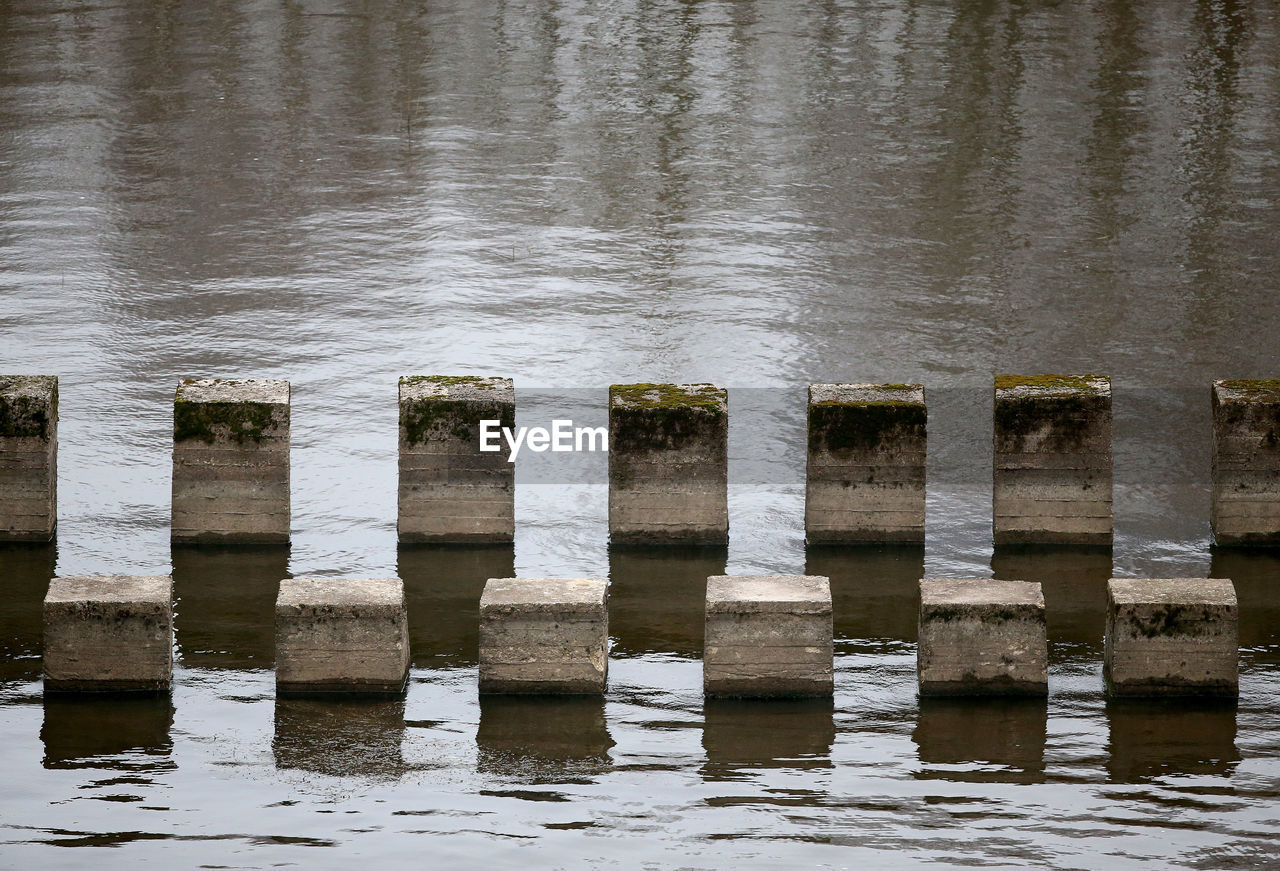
{"x":668,"y":461}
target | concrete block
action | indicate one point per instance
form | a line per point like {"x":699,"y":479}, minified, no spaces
{"x":544,"y":635}
{"x":28,"y":457}
{"x":1171,"y":636}
{"x":231,"y":461}
{"x":768,"y":636}
{"x":341,"y":635}
{"x":981,"y":637}
{"x":1052,"y":476}
{"x":450,"y":490}
{"x":111,"y":633}
{"x":1245,"y":508}
{"x":668,"y":464}
{"x":866,"y":470}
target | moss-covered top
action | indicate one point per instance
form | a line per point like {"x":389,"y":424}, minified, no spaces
{"x":1054,"y":385}
{"x":1248,"y":390}
{"x":703,"y":396}
{"x":452,"y":406}
{"x":457,"y":387}
{"x":28,"y":406}
{"x":244,"y":411}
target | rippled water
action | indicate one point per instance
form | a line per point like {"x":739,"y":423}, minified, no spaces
{"x":759,"y":194}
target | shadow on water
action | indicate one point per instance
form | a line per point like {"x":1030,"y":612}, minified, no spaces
{"x":657,"y":598}
{"x":125,"y":733}
{"x":1256,"y":575}
{"x":537,"y":739}
{"x":224,"y":603}
{"x":1074,"y":580}
{"x":740,"y":735}
{"x":991,"y":740}
{"x":442,"y":586}
{"x":27,"y":569}
{"x":1157,"y":737}
{"x":875,"y":590}
{"x":341,"y":737}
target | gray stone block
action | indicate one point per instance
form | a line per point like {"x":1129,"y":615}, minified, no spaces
{"x":1171,"y":636}
{"x":768,"y":636}
{"x":1245,"y":506}
{"x":981,"y":637}
{"x":28,"y":457}
{"x":341,"y":635}
{"x":1052,"y":474}
{"x":544,"y":635}
{"x":865,"y":480}
{"x":110,"y":633}
{"x":450,"y":490}
{"x":231,"y":461}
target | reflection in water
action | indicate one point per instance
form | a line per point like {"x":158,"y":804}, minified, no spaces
{"x":126,"y":733}
{"x":224,"y":603}
{"x":341,"y":737}
{"x":994,"y":739}
{"x":541,"y":739}
{"x":1256,"y":575}
{"x":1074,"y":580}
{"x":1153,"y":738}
{"x":25,"y":570}
{"x":875,"y":591}
{"x":442,"y":587}
{"x":740,"y":735}
{"x":657,"y":598}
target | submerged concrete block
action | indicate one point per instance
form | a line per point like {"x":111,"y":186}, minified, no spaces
{"x":768,"y":636}
{"x":1246,"y":463}
{"x":341,"y":635}
{"x":981,"y":637}
{"x":1052,"y":460}
{"x":28,"y":457}
{"x":668,"y":464}
{"x":231,"y":461}
{"x":450,"y":490}
{"x":108,"y":633}
{"x":544,"y":635}
{"x":866,"y":468}
{"x":1171,"y":636}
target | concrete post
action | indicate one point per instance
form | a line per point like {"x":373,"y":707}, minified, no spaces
{"x":28,"y":457}
{"x":1246,"y":463}
{"x":450,"y":490}
{"x":231,"y":461}
{"x":866,"y":469}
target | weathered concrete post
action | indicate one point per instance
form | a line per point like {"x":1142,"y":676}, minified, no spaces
{"x":111,"y":633}
{"x":668,"y":464}
{"x":341,"y":635}
{"x":1052,"y":460}
{"x":450,"y":490}
{"x":865,"y":479}
{"x":768,"y":636}
{"x":1171,"y":636}
{"x":231,"y":461}
{"x":28,"y":457}
{"x":544,"y":635}
{"x":981,"y":637}
{"x":1246,"y":462}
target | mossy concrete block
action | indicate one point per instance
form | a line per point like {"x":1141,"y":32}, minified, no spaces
{"x":865,"y":480}
{"x":768,"y":636}
{"x":1245,"y":509}
{"x":977,"y":636}
{"x":544,"y":635}
{"x":108,"y":633}
{"x":668,"y":464}
{"x":1052,"y":476}
{"x":1171,"y":636}
{"x":231,"y":461}
{"x":341,"y":635}
{"x":28,"y":457}
{"x":451,"y":491}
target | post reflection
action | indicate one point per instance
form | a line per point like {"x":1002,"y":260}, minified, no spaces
{"x":982,"y":740}
{"x":27,"y":570}
{"x":340,"y":737}
{"x":742,"y":735}
{"x":1074,"y":580}
{"x":120,"y":732}
{"x":542,"y":739}
{"x":1157,"y":737}
{"x":1256,"y":575}
{"x":442,"y":587}
{"x":875,"y":591}
{"x":657,"y":598}
{"x":224,"y":604}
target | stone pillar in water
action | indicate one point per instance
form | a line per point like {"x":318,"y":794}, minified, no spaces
{"x":1246,"y":462}
{"x":668,"y":464}
{"x":866,"y":472}
{"x":1052,"y":460}
{"x":231,"y":461}
{"x":28,"y":457}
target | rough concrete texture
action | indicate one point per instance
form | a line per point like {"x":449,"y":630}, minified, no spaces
{"x":865,"y":480}
{"x":1171,"y":636}
{"x":981,"y":637}
{"x":231,"y":461}
{"x":341,"y":635}
{"x":450,"y":491}
{"x":1245,"y":506}
{"x":544,"y":635}
{"x":28,"y":457}
{"x":668,"y":464}
{"x":1052,"y":473}
{"x":768,"y":636}
{"x":109,"y":633}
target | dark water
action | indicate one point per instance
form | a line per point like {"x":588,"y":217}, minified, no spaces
{"x":759,"y":194}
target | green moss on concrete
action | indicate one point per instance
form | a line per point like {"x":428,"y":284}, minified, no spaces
{"x":1069,"y":404}
{"x":24,"y":412}
{"x":241,"y":422}
{"x":1057,"y":384}
{"x":438,"y":416}
{"x":838,"y":426}
{"x":654,"y":417}
{"x":674,"y":396}
{"x":476,"y":381}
